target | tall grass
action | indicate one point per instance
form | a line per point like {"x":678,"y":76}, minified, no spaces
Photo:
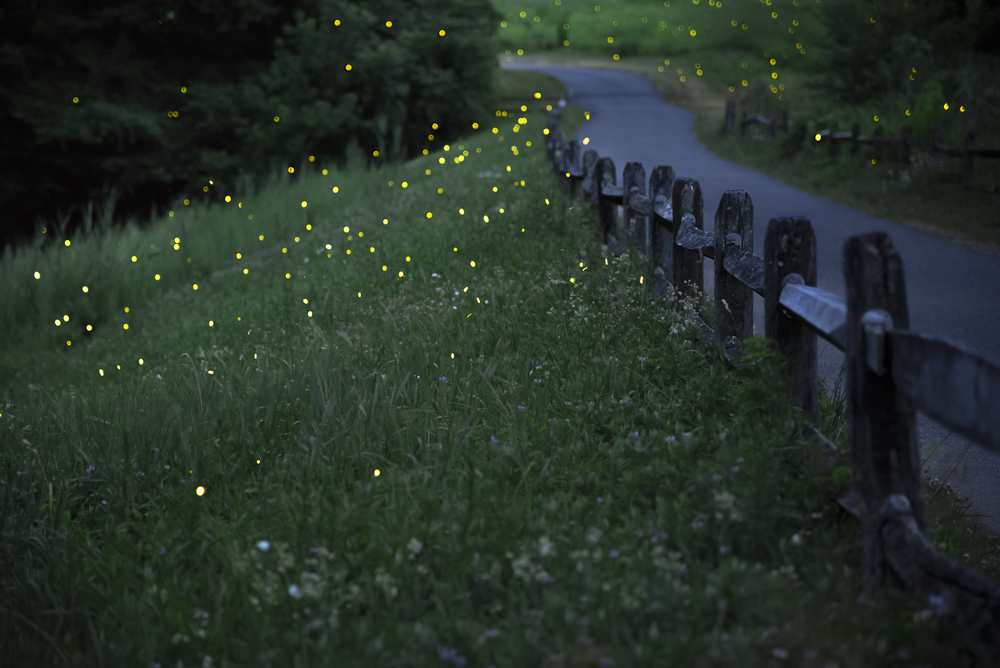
{"x":449,"y":441}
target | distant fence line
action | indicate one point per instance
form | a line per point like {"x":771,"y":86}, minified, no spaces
{"x":891,"y":372}
{"x":903,"y":146}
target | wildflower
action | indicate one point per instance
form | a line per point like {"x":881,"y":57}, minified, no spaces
{"x":590,"y":404}
{"x":697,"y":525}
{"x":642,"y":359}
{"x":90,"y":471}
{"x":593,"y":535}
{"x":939,"y":604}
{"x":734,"y":470}
{"x":263,"y":545}
{"x":294,"y":592}
{"x":443,"y":379}
{"x":614,"y":554}
{"x":521,"y":408}
{"x":538,"y":380}
{"x":634,"y":434}
{"x":739,"y":459}
{"x":600,"y":500}
{"x":163,"y":550}
{"x":723,"y":550}
{"x":494,"y":440}
{"x":779,"y":653}
{"x":490,"y":633}
{"x":435,"y":276}
{"x":607,"y":661}
{"x":569,"y":403}
{"x":670,"y":439}
{"x":415,"y":546}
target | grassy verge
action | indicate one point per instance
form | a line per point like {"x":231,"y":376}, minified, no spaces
{"x":425,"y":425}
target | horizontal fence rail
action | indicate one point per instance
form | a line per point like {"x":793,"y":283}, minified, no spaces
{"x":891,"y":372}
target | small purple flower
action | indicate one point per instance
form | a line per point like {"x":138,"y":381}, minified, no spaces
{"x":443,"y":379}
{"x":183,"y":481}
{"x":670,"y":439}
{"x":642,"y":359}
{"x":606,"y":661}
{"x":697,"y":525}
{"x":90,"y":471}
{"x":447,"y":653}
{"x":634,"y":434}
{"x":538,"y":367}
{"x":104,"y":502}
{"x":590,"y":404}
{"x":734,"y":470}
{"x":163,"y":550}
{"x":569,"y":403}
{"x":538,"y":380}
{"x":723,"y":550}
{"x":521,"y":408}
{"x":739,"y":459}
{"x":614,"y":554}
{"x":697,"y":394}
{"x":494,"y":440}
{"x":549,"y":580}
{"x":491,"y":633}
{"x":600,"y":500}
{"x":779,"y":653}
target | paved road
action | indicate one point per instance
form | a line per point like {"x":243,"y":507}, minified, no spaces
{"x":953,"y":291}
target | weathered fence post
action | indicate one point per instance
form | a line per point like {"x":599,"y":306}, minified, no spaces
{"x":904,"y":146}
{"x":689,"y":266}
{"x":573,"y":163}
{"x":730,"y":116}
{"x":733,"y":298}
{"x":589,"y":162}
{"x":881,"y":419}
{"x":753,"y":122}
{"x":879,"y":137}
{"x":855,"y":131}
{"x":558,"y":153}
{"x":970,"y":158}
{"x":661,"y":259}
{"x":772,"y":124}
{"x":790,"y":256}
{"x":604,"y":175}
{"x":635,"y":233}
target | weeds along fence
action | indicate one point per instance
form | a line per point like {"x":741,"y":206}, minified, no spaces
{"x":890,"y":371}
{"x":754,"y":123}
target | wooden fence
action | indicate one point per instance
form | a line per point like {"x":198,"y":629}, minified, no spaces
{"x":771,"y":123}
{"x":891,"y":371}
{"x":905,"y":145}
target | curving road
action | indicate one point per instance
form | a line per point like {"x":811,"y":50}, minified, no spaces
{"x":953,"y":291}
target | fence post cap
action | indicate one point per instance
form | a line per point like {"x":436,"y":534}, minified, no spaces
{"x":875,"y":323}
{"x":792,"y":279}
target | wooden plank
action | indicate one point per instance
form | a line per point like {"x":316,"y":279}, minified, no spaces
{"x":693,"y":239}
{"x":605,"y":177}
{"x":641,"y":204}
{"x":634,"y":182}
{"x":612,"y":193}
{"x":689,"y":269}
{"x":589,"y":161}
{"x":746,"y":267}
{"x":882,"y":420}
{"x":953,"y":386}
{"x":966,"y":600}
{"x":790,"y":281}
{"x":733,"y":299}
{"x":661,"y":236}
{"x":824,"y":313}
{"x":663,"y":211}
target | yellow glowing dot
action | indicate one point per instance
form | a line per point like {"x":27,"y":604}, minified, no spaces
{"x":907,"y":113}
{"x":407,"y":258}
{"x":336,"y":23}
{"x":385,"y":221}
{"x":246,"y":271}
{"x":296,"y":240}
{"x":348,"y":251}
{"x":472,"y":264}
{"x":494,"y":188}
{"x":156,"y":277}
{"x":261,"y":237}
{"x":66,"y":242}
{"x":37,"y":275}
{"x":140,"y":361}
{"x":400,"y":274}
{"x":211,"y":373}
{"x":388,"y":24}
{"x":359,"y":295}
{"x":546,"y":202}
{"x":135,"y":259}
{"x":495,"y":131}
{"x":384,"y":268}
{"x":818,"y":136}
{"x":486,"y":219}
{"x":611,"y":40}
{"x":90,"y":328}
{"x":946,"y":106}
{"x":200,"y":491}
{"x":876,"y":118}
{"x":101,"y":371}
{"x":441,"y":33}
{"x":195,"y":286}
{"x":372,"y":249}
{"x":475,"y":126}
{"x":69,"y":343}
{"x":288,"y":275}
{"x":377,"y":472}
{"x":305,"y":301}
{"x":336,"y":189}
{"x":405,"y":184}
{"x":291,"y":170}
{"x":429,"y":214}
{"x":125,"y":326}
{"x":258,"y":461}
{"x":58,"y":322}
{"x":310,"y":314}
{"x":66,"y":318}
{"x":86,"y":289}
{"x":177,"y":246}
{"x":461,"y":212}
{"x":211,"y":323}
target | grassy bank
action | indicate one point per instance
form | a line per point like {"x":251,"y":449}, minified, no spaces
{"x":425,"y":420}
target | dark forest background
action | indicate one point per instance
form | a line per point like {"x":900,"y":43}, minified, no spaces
{"x":147,"y":101}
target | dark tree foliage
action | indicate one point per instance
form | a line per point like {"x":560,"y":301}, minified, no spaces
{"x":240,"y":63}
{"x":871,"y":48}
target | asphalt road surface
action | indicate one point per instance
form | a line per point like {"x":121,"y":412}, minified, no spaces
{"x":953,"y":291}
